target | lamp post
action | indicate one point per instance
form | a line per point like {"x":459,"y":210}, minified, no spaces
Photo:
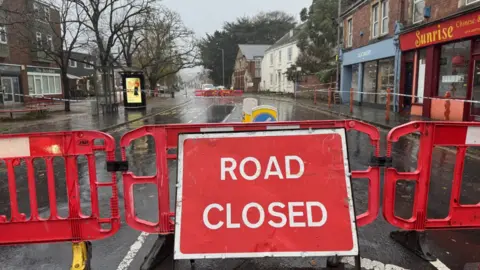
{"x":223,"y":66}
{"x":297,"y":79}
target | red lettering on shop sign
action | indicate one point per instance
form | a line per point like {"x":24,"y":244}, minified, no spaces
{"x":270,"y":193}
{"x":458,"y":28}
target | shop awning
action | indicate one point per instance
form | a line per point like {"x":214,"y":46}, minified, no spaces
{"x":73,"y":77}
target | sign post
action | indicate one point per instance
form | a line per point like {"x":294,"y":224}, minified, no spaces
{"x":248,"y":105}
{"x":264,"y":113}
{"x":264,"y":194}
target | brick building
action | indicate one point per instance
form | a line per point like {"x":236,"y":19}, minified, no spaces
{"x":248,"y":67}
{"x":420,"y":48}
{"x":440,"y":47}
{"x":30,"y":28}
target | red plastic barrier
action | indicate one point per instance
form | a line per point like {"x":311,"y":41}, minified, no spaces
{"x":218,"y":93}
{"x":432,"y":134}
{"x":18,"y":229}
{"x":199,"y":93}
{"x":166,"y":138}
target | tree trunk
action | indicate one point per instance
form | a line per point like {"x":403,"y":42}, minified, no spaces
{"x":66,"y":89}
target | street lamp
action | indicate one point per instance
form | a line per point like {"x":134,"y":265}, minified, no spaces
{"x":297,"y":79}
{"x":223,"y":66}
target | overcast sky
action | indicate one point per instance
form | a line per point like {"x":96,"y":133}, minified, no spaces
{"x":206,"y":16}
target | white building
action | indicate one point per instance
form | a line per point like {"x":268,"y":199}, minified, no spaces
{"x":277,"y":59}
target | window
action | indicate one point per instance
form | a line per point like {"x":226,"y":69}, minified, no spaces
{"x":422,"y":67}
{"x":279,"y":57}
{"x":3,"y":34}
{"x":271,"y":59}
{"x":468,"y":2}
{"x":39,"y":40}
{"x":355,"y":80}
{"x":271,"y":78}
{"x":72,"y":63}
{"x":50,"y":42}
{"x":350,"y":33}
{"x":454,"y":63}
{"x":89,"y":66}
{"x":44,"y":84}
{"x":386,"y":79}
{"x":418,"y":7}
{"x":384,"y":6}
{"x":375,"y":23}
{"x":290,"y":54}
{"x":258,"y":67}
{"x":47,"y":14}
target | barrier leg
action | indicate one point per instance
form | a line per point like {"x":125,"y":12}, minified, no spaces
{"x":161,"y":252}
{"x":415,"y":242}
{"x":82,"y":255}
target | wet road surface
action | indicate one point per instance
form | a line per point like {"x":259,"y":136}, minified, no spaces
{"x":127,"y":248}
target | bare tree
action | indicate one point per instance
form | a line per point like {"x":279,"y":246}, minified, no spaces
{"x":167,"y":47}
{"x":130,"y":38}
{"x":50,"y":31}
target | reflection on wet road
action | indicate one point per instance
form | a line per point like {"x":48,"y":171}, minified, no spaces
{"x":454,"y":248}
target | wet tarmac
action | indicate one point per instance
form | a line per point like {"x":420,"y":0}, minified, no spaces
{"x":127,"y":248}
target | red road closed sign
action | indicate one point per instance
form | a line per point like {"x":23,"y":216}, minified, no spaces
{"x":269,"y":193}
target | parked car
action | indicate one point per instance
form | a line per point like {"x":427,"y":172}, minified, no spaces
{"x":208,"y":87}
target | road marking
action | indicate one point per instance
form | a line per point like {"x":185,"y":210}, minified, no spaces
{"x":125,"y":263}
{"x":371,"y":264}
{"x":439,"y":265}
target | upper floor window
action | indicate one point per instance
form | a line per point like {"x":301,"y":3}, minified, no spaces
{"x":258,"y":67}
{"x":468,"y":2}
{"x":350,"y":33}
{"x":50,"y":43}
{"x":3,"y":34}
{"x":271,"y":59}
{"x":418,"y":7}
{"x":47,"y":14}
{"x":384,"y":10}
{"x":280,"y":57}
{"x":89,"y":66}
{"x":72,"y":63}
{"x":375,"y":22}
{"x":290,"y":54}
{"x":38,"y":37}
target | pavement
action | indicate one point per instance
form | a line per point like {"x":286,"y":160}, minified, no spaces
{"x":127,"y":248}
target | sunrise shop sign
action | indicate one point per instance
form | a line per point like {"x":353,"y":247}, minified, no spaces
{"x":458,"y":28}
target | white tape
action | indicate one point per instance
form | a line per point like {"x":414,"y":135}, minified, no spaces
{"x":222,"y":129}
{"x":473,"y":135}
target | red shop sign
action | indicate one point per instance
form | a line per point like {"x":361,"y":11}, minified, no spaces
{"x":266,"y":193}
{"x":464,"y":26}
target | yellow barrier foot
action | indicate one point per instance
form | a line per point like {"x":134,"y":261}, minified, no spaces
{"x":82,"y":255}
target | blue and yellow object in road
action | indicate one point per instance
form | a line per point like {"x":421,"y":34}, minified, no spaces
{"x":264,"y":113}
{"x":248,"y":105}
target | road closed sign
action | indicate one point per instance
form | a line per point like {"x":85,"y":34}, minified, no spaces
{"x":266,"y":193}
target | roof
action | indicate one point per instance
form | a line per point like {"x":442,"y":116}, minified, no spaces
{"x":290,"y":37}
{"x":251,"y":51}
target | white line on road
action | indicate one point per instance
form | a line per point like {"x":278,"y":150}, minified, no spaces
{"x":439,"y":265}
{"x":125,"y":263}
{"x":371,"y":264}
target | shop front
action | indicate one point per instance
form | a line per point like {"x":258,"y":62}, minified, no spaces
{"x":10,"y":84}
{"x":442,"y":60}
{"x":369,"y":71}
{"x":44,"y":81}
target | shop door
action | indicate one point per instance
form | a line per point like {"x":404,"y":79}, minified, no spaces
{"x":7,"y":87}
{"x":475,"y":112}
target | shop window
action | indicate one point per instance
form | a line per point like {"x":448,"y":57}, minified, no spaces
{"x":370,"y":81}
{"x":418,"y":7}
{"x":44,"y":84}
{"x":468,"y":2}
{"x":454,"y":63}
{"x":386,"y":79}
{"x":422,"y":67}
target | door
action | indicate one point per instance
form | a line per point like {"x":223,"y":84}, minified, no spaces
{"x":475,"y":111}
{"x":408,"y":86}
{"x":7,"y":87}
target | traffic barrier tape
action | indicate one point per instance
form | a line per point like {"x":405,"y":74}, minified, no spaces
{"x":77,"y":226}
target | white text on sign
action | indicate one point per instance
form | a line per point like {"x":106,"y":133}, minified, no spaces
{"x":229,"y":165}
{"x":296,"y":218}
{"x":277,"y":214}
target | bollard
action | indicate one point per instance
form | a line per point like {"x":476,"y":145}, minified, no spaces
{"x":387,"y":111}
{"x":351,"y":100}
{"x":329,"y":97}
{"x":448,"y":95}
